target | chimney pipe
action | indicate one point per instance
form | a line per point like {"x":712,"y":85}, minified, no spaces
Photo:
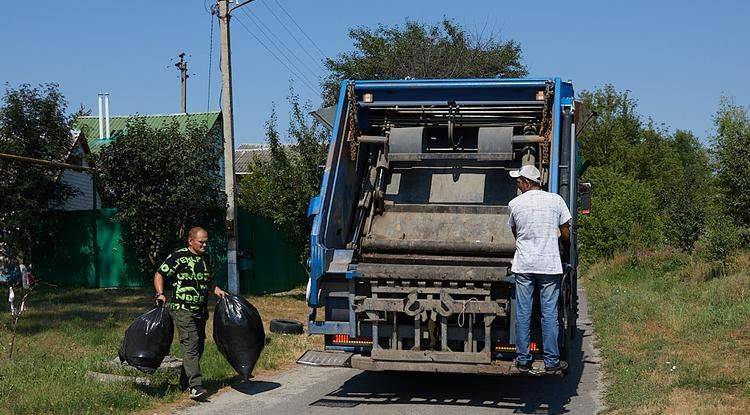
{"x":101,"y":117}
{"x":106,"y":115}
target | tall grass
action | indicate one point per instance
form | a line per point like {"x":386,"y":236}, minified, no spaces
{"x":675,"y":333}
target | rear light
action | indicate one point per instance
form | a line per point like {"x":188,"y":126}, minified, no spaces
{"x":510,"y":348}
{"x":345,"y":340}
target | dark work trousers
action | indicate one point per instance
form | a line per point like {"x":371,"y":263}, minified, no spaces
{"x":191,"y":326}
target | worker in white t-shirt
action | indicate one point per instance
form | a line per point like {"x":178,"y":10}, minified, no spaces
{"x":536,"y":218}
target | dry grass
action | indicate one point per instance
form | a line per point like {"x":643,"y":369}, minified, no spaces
{"x":68,"y":332}
{"x":672,"y":343}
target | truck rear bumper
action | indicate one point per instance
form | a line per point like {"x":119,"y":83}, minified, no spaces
{"x":499,"y":367}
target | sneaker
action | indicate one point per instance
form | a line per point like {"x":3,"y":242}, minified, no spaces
{"x":198,"y":393}
{"x":561,"y":366}
{"x":523,"y":367}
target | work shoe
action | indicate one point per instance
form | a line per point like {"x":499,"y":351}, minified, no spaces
{"x":523,"y":367}
{"x":198,"y":393}
{"x":559,"y":367}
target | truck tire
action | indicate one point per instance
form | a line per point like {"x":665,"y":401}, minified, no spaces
{"x":564,"y":312}
{"x":286,"y":326}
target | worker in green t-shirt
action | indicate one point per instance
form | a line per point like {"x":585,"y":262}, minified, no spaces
{"x":190,"y":271}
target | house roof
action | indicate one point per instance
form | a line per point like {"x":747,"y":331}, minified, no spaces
{"x":246,"y":153}
{"x":89,"y":125}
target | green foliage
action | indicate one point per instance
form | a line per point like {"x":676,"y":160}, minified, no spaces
{"x":33,"y":123}
{"x":609,"y":136}
{"x":280,"y":187}
{"x":721,"y":236}
{"x":731,"y":148}
{"x":625,"y":215}
{"x":688,"y":198}
{"x":670,"y":170}
{"x":163,"y":181}
{"x":418,"y":50}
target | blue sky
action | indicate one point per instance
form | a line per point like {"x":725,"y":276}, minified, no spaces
{"x":677,"y":58}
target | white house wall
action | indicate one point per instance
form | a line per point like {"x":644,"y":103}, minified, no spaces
{"x":83,"y":183}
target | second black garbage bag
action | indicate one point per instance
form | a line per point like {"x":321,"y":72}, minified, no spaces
{"x":238,"y":333}
{"x":147,"y":340}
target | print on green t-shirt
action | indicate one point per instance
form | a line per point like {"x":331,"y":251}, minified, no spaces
{"x":191,"y":276}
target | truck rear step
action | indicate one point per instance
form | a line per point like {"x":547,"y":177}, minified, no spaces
{"x":327,"y":359}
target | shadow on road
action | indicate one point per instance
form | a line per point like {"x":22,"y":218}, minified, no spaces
{"x":254,"y":387}
{"x":522,"y":394}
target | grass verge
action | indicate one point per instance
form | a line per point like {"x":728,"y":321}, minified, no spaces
{"x":67,"y":332}
{"x":674,"y":333}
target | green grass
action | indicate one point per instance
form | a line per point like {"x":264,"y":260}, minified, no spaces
{"x":674,"y":340}
{"x":67,"y":332}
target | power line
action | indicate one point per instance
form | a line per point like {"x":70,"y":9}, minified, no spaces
{"x":259,"y":22}
{"x":304,"y":49}
{"x":275,"y":56}
{"x":300,"y":29}
{"x":278,"y":49}
{"x":299,"y":73}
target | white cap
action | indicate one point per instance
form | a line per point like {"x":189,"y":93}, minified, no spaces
{"x":529,"y":172}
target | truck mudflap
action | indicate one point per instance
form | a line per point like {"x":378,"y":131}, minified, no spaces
{"x":497,"y":367}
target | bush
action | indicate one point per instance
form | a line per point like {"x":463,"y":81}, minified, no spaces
{"x":624,"y":216}
{"x":720,"y":238}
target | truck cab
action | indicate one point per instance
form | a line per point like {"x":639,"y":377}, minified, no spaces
{"x":410,"y":248}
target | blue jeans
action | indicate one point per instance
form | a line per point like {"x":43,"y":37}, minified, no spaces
{"x":549,"y":286}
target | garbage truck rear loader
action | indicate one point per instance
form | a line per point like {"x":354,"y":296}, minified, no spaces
{"x":410,"y":249}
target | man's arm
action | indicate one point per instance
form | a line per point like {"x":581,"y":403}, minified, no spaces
{"x":565,"y":237}
{"x":159,"y":287}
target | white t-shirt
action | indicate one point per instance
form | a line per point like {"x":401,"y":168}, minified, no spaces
{"x":537,"y":216}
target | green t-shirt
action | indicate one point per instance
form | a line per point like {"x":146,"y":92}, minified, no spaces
{"x":191,"y":276}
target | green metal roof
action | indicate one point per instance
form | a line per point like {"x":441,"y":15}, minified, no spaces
{"x":89,"y":125}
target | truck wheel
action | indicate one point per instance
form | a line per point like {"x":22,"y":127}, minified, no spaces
{"x":565,"y":333}
{"x":286,"y":327}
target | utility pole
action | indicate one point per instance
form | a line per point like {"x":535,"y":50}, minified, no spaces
{"x":224,"y":11}
{"x":183,"y":67}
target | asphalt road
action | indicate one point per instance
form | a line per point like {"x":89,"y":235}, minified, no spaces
{"x":318,"y":390}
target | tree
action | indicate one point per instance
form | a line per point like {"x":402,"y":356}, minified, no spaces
{"x":688,"y":201}
{"x":731,"y":149}
{"x":280,"y":187}
{"x":163,"y":181}
{"x":609,"y":137}
{"x":418,"y":50}
{"x":33,"y":123}
{"x":625,"y":215}
{"x":672,"y":168}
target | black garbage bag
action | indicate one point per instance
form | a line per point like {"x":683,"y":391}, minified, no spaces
{"x":147,"y":340}
{"x":238,"y":333}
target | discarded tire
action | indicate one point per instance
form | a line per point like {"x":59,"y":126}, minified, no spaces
{"x":238,"y":333}
{"x":147,"y":340}
{"x":286,"y":326}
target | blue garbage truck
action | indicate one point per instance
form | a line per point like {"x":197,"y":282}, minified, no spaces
{"x":410,"y":251}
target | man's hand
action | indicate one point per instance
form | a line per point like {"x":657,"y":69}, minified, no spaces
{"x":219,"y":292}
